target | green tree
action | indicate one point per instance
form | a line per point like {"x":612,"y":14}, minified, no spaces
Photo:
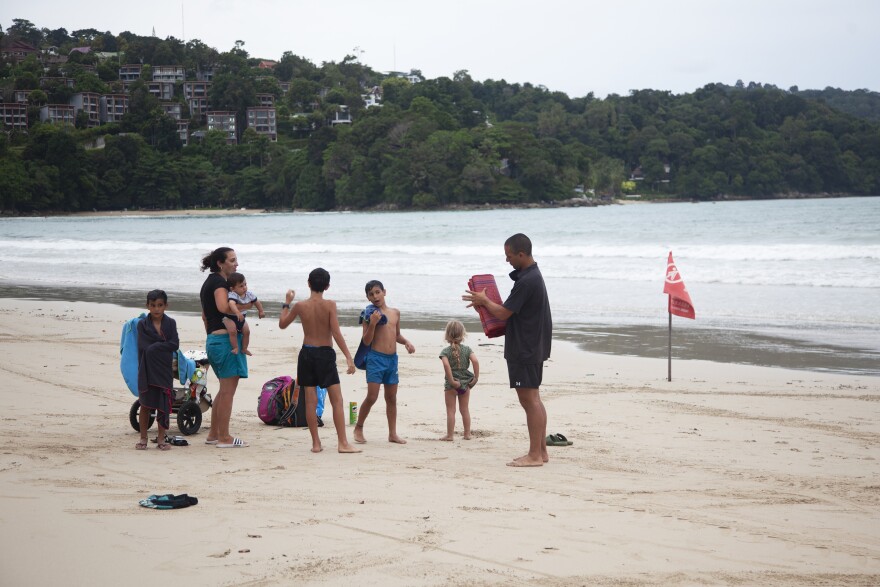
{"x":310,"y":191}
{"x":247,"y":188}
{"x":291,"y":67}
{"x":15,"y":188}
{"x":26,"y":31}
{"x":283,"y":171}
{"x":233,"y":92}
{"x":606,"y":175}
{"x":57,"y":37}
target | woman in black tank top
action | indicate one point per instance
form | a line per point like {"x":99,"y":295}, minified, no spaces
{"x":227,"y":366}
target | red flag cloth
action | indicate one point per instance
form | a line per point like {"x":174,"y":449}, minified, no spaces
{"x":679,"y":300}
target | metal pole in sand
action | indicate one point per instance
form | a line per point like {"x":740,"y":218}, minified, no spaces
{"x":669,"y":376}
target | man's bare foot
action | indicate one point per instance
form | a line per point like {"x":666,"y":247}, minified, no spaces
{"x":447,"y":437}
{"x":317,"y":447}
{"x":396,"y":439}
{"x":522,"y":462}
{"x":347,"y":448}
{"x":358,"y":434}
{"x":467,"y":435}
{"x":526,"y":457}
{"x":248,"y":353}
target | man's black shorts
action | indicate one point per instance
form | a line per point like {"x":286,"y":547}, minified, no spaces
{"x":525,"y":376}
{"x":316,"y":367}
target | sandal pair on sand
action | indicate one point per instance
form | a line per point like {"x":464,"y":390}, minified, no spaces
{"x":236,"y":443}
{"x":142,"y":445}
{"x":558,"y":440}
{"x":169,"y":440}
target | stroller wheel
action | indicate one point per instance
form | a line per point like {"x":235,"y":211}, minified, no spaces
{"x":133,"y":416}
{"x":189,"y":418}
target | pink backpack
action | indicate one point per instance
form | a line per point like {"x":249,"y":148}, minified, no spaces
{"x":271,"y":402}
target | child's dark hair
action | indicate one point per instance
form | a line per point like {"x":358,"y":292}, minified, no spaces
{"x":157,"y":294}
{"x":373,"y":283}
{"x":319,"y":279}
{"x":234,"y":279}
{"x":212,"y":260}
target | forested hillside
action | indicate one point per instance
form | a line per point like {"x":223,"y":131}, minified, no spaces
{"x":432,"y":143}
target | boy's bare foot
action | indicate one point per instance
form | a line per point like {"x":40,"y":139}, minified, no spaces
{"x":347,"y":448}
{"x":447,"y":437}
{"x":142,"y":444}
{"x":358,"y":434}
{"x":248,"y":353}
{"x":317,"y":447}
{"x":467,"y":435}
{"x":524,"y":462}
{"x":235,"y":351}
{"x":396,"y":439}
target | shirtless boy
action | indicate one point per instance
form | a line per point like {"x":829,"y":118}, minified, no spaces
{"x":316,"y":365}
{"x":381,"y":361}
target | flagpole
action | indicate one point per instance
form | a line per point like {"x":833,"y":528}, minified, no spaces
{"x":682,"y":305}
{"x":669,"y":376}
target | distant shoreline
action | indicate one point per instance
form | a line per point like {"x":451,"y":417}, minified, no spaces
{"x":570,"y":203}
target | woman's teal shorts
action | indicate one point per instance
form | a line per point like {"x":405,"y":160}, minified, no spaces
{"x":223,"y":362}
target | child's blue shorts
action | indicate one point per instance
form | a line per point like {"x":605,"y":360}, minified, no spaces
{"x":382,"y":368}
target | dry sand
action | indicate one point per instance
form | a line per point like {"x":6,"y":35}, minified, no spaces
{"x":727,"y":475}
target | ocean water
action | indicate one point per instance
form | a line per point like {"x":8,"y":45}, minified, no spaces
{"x":780,"y":282}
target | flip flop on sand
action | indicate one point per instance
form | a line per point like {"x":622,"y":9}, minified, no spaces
{"x":554,"y":440}
{"x":141,"y":445}
{"x":236,"y":443}
{"x":562,"y":438}
{"x":211,"y":442}
{"x":169,"y":502}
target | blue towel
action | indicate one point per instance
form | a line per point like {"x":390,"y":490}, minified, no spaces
{"x":128,"y":354}
{"x":322,"y":394}
{"x":185,"y":367}
{"x":360,"y":357}
{"x":365,"y":315}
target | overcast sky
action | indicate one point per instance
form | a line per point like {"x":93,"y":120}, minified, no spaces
{"x":573,"y":46}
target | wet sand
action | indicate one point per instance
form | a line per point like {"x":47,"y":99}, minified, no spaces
{"x":690,"y":340}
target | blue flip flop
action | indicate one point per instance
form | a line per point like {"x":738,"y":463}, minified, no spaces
{"x":169,"y":501}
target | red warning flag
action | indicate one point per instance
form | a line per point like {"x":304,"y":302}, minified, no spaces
{"x":679,"y":300}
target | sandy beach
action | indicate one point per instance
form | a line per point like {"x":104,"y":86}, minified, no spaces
{"x":728,"y":475}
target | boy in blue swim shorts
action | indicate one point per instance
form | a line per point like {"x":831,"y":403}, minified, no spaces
{"x":381,"y":331}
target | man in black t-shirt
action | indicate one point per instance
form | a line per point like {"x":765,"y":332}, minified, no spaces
{"x":526,"y":342}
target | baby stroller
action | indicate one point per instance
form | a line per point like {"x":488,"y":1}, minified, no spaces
{"x":190,"y":368}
